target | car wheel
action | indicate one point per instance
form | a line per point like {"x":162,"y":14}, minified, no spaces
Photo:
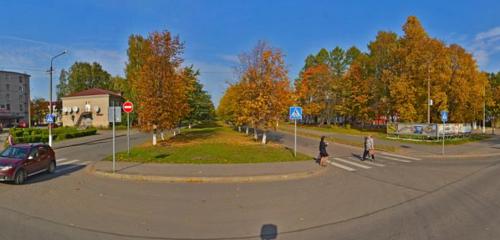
{"x":52,"y":167}
{"x":20,"y":177}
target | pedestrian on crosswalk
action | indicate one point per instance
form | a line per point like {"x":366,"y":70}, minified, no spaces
{"x":371,"y":147}
{"x":365,"y":151}
{"x":323,"y":155}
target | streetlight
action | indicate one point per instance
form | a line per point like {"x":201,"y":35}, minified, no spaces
{"x":50,"y":92}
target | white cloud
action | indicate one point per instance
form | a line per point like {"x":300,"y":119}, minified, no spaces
{"x":494,"y":32}
{"x":229,"y":58}
{"x":485,"y":45}
{"x":111,"y":61}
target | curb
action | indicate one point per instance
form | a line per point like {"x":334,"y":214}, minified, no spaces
{"x":235,"y":179}
{"x":437,"y":156}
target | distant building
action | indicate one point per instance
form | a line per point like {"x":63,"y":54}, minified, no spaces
{"x":14,"y":97}
{"x":89,"y":107}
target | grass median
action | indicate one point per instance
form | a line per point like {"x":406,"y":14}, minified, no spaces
{"x":210,"y":143}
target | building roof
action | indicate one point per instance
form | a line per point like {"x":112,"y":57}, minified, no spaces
{"x":94,"y":91}
{"x":10,"y":72}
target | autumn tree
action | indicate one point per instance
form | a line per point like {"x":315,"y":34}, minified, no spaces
{"x":264,"y":86}
{"x":155,"y":73}
{"x":62,"y":87}
{"x":39,"y":108}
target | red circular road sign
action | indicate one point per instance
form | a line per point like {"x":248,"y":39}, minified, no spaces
{"x":128,"y":107}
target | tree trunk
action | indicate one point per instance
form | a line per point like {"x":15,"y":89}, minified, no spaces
{"x":154,"y":139}
{"x":162,"y":136}
{"x":189,"y":126}
{"x":175,"y":132}
{"x":246,"y":131}
{"x":239,"y":128}
{"x":255,"y":136}
{"x":264,"y":137}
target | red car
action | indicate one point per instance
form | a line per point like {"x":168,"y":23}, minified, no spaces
{"x":20,"y":161}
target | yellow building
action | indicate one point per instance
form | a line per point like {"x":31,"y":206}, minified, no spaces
{"x":89,"y":107}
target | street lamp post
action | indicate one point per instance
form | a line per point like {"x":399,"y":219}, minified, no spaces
{"x":50,"y":92}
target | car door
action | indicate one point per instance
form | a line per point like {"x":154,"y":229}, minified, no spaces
{"x":43,"y":156}
{"x":32,"y":164}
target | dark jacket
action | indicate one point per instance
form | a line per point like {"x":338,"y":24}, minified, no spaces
{"x":322,"y":149}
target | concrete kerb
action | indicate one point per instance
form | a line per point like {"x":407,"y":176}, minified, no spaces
{"x":232,"y":179}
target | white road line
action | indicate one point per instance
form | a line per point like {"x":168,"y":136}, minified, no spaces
{"x":394,"y":159}
{"x":352,"y":163}
{"x":68,"y":162}
{"x":342,"y":166}
{"x":369,"y":162}
{"x":61,"y":159}
{"x":400,"y":156}
{"x":66,"y":167}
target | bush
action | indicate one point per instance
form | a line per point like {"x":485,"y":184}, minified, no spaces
{"x":30,"y":135}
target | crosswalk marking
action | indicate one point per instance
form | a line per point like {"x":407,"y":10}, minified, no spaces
{"x":400,"y":156}
{"x":352,"y":163}
{"x":68,"y":162}
{"x":67,"y":167}
{"x":369,"y":162}
{"x":395,"y":159}
{"x":341,"y":166}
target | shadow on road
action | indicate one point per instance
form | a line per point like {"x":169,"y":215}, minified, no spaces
{"x":60,"y":171}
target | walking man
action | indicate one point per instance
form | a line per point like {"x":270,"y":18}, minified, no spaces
{"x":365,"y":152}
{"x":10,"y":140}
{"x":371,"y":147}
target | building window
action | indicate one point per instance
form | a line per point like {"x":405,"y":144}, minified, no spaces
{"x":7,"y":87}
{"x":20,"y":107}
{"x":20,"y":79}
{"x":7,"y":96}
{"x":2,"y":106}
{"x":8,"y":107}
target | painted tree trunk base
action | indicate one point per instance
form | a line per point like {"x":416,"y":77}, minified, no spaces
{"x":246,"y":131}
{"x":255,"y":136}
{"x":264,"y":138}
{"x":154,"y":139}
{"x":239,"y":128}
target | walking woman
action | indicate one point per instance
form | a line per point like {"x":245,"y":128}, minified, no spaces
{"x":322,"y":152}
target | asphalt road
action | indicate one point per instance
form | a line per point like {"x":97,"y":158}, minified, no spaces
{"x":397,"y":198}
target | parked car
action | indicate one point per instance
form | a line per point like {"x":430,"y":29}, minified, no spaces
{"x":20,"y":161}
{"x":22,"y":124}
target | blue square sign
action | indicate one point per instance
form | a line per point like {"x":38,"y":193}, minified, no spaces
{"x":444,"y":116}
{"x":49,"y":118}
{"x":295,"y":113}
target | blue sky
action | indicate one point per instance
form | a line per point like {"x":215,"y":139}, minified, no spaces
{"x":216,"y":31}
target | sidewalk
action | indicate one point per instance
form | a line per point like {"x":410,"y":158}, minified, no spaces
{"x":485,"y":148}
{"x":207,"y":173}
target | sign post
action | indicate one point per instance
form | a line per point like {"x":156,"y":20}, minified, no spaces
{"x":49,"y":118}
{"x":295,"y":114}
{"x":444,"y":119}
{"x":114,"y":116}
{"x":128,"y":107}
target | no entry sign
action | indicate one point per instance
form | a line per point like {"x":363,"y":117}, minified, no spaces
{"x":128,"y":107}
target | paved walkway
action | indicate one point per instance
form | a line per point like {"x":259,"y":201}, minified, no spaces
{"x":488,"y":147}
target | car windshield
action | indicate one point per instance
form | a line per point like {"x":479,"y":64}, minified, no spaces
{"x":14,"y":152}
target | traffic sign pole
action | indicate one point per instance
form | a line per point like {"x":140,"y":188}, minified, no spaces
{"x":128,"y":134}
{"x":295,"y":142}
{"x":128,"y":107}
{"x":114,"y":118}
{"x":444,"y":134}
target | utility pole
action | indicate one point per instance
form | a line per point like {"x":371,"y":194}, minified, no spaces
{"x":428,"y":97}
{"x":484,"y":110}
{"x":50,"y":93}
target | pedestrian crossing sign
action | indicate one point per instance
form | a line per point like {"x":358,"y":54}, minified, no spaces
{"x":295,"y":113}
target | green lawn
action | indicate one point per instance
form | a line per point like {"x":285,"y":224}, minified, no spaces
{"x":208,"y":144}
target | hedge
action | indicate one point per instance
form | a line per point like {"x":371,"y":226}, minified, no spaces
{"x":30,"y":135}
